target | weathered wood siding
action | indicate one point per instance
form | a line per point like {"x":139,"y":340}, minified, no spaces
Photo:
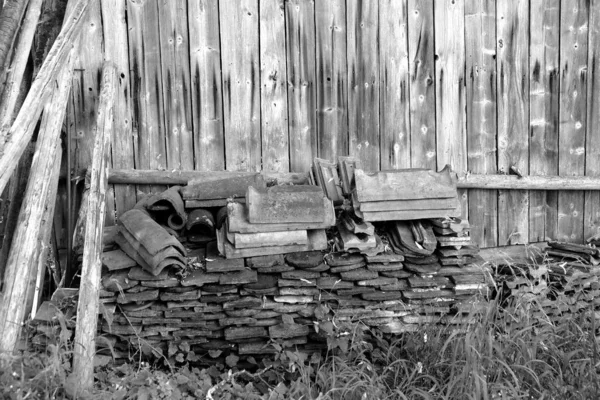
{"x":483,"y":85}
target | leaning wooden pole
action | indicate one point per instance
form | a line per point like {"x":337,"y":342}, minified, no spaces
{"x":14,"y":139}
{"x":23,"y":253}
{"x":87,"y":309}
{"x":14,"y":79}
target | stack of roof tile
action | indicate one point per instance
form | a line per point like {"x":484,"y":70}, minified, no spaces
{"x":404,"y":195}
{"x":277,"y":220}
{"x":148,"y":243}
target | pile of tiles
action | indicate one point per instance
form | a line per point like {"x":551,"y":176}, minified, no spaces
{"x":242,"y":306}
{"x":276,"y":220}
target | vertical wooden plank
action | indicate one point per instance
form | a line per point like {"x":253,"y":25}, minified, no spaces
{"x":450,"y":89}
{"x":394,"y":96}
{"x":116,"y":50}
{"x":146,"y":89}
{"x":241,"y":92}
{"x":300,"y":37}
{"x":86,"y":87}
{"x":207,"y":96}
{"x":422,"y":88}
{"x":480,"y":52}
{"x":273,"y":87}
{"x":332,"y":85}
{"x":175,"y":69}
{"x":512,"y":68}
{"x":592,"y":151}
{"x":544,"y":113}
{"x":573,"y":110}
{"x":363,"y":82}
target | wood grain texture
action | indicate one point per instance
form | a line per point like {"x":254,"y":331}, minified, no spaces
{"x":394,"y":109}
{"x":241,"y":92}
{"x":451,"y":142}
{"x":331,"y":78}
{"x":175,"y":65}
{"x":573,"y":110}
{"x":207,"y":95}
{"x":273,"y":87}
{"x":116,"y":50}
{"x":42,"y":182}
{"x":146,"y":90}
{"x":480,"y":45}
{"x":512,"y":68}
{"x":422,"y":88}
{"x":86,"y":87}
{"x":544,"y":113}
{"x":592,"y":143}
{"x":363,"y":82}
{"x":21,"y":131}
{"x":300,"y":38}
{"x":84,"y":347}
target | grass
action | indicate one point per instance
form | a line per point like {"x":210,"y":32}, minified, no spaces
{"x":510,"y":352}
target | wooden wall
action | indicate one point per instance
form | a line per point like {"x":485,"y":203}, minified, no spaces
{"x":481,"y":85}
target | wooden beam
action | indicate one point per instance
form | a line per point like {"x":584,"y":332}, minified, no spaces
{"x":21,"y":131}
{"x":23,"y":253}
{"x":8,"y":101}
{"x":152,"y":177}
{"x":532,"y":182}
{"x":10,"y":19}
{"x":87,"y":309}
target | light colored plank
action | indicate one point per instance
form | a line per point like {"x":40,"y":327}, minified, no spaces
{"x":86,"y":89}
{"x":146,"y":90}
{"x":573,"y":111}
{"x":451,"y":142}
{"x":544,"y":113}
{"x":273,"y":88}
{"x":207,"y":95}
{"x":592,"y":143}
{"x":422,"y":88}
{"x":363,"y":82}
{"x":300,"y":41}
{"x":241,"y":93}
{"x":175,"y":64}
{"x":114,"y":24}
{"x":331,"y":79}
{"x":512,"y":69}
{"x":480,"y":47}
{"x":450,"y":85}
{"x":394,"y":96}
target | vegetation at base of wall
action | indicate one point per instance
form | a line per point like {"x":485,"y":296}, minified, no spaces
{"x":511,"y":352}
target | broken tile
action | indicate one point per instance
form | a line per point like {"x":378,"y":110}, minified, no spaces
{"x":382,"y":296}
{"x":239,"y":278}
{"x":378,"y":282}
{"x":343,"y":259}
{"x":195,"y":295}
{"x":300,"y":274}
{"x":305,"y":259}
{"x":377,"y":267}
{"x":331,"y":282}
{"x":284,"y":331}
{"x":220,"y":265}
{"x":246,"y":302}
{"x":263,"y":281}
{"x":118,"y":281}
{"x":238,"y":321}
{"x":306,"y":291}
{"x":117,"y":260}
{"x":265,"y":261}
{"x":199,"y":278}
{"x":294,"y":299}
{"x":233,"y":334}
{"x":136,"y":297}
{"x":346,"y":268}
{"x":359,"y":275}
